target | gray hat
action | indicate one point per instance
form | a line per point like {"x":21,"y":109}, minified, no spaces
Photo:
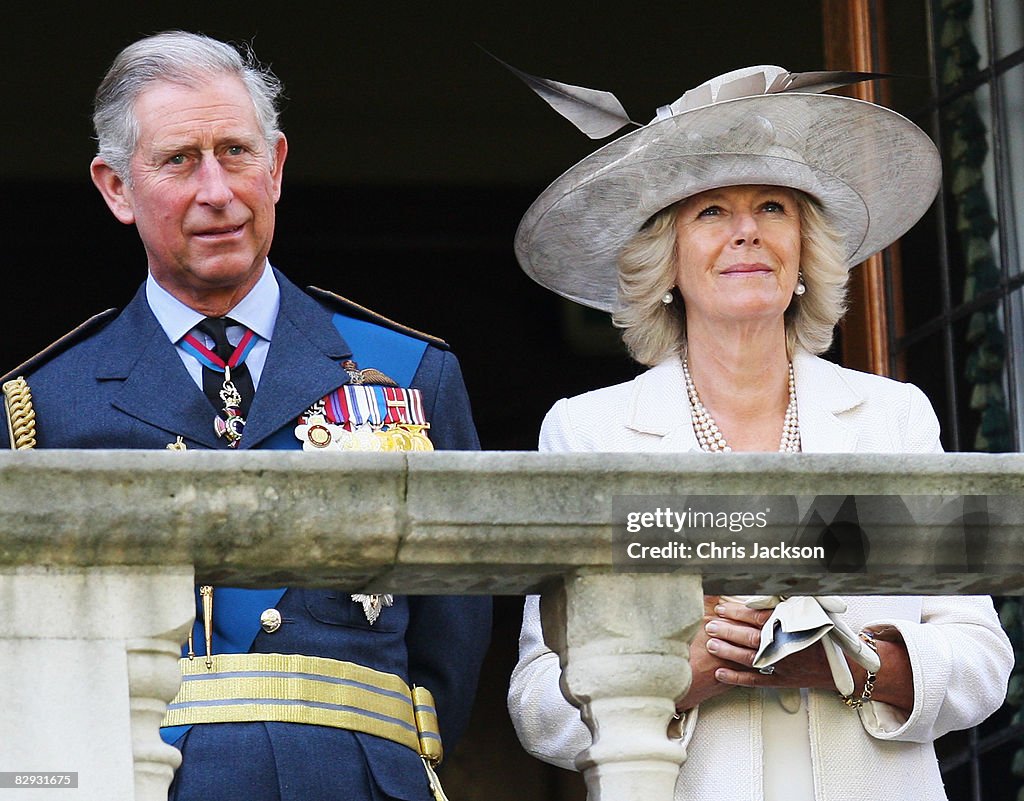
{"x":873,"y":171}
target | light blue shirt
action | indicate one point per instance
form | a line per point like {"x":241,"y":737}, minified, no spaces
{"x":257,"y":311}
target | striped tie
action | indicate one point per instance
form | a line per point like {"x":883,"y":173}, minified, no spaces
{"x":213,"y":380}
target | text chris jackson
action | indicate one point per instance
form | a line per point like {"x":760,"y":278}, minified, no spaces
{"x":666,"y":519}
{"x":712,"y":550}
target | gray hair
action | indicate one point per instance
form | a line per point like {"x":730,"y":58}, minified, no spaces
{"x":187,"y":59}
{"x":653,"y":331}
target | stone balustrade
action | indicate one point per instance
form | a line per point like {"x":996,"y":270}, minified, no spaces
{"x":99,"y":551}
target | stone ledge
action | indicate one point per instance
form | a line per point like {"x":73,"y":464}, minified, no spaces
{"x":489,"y":522}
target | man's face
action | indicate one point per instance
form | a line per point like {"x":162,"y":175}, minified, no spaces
{"x":204,"y":185}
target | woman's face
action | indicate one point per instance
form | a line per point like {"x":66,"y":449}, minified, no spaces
{"x":738,"y":253}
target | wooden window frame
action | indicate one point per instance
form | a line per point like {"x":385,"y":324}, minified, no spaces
{"x":854,"y":35}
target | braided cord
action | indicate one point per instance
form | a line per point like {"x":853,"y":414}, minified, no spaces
{"x":21,"y":416}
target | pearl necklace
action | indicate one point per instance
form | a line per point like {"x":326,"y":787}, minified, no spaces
{"x":710,"y":437}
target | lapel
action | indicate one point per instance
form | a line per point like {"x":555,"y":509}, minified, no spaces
{"x":155,"y":386}
{"x":823,"y":395}
{"x":658,"y":405}
{"x":303,"y":364}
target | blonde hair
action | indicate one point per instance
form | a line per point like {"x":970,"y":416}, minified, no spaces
{"x":653,"y":330}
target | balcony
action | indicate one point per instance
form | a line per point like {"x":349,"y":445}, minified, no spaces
{"x":100,"y":550}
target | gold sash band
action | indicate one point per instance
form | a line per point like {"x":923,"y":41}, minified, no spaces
{"x":291,"y":688}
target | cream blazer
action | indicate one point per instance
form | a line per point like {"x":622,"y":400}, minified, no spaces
{"x":841,"y":411}
{"x":960,"y":656}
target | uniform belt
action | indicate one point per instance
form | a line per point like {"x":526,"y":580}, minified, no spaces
{"x":291,"y":688}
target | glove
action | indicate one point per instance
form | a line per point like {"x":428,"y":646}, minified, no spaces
{"x":798,"y":622}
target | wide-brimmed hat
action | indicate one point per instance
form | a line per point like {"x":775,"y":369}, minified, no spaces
{"x":873,"y":171}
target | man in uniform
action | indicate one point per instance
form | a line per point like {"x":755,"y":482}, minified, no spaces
{"x":218,"y":350}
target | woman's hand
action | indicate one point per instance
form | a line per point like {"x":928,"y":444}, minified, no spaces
{"x":722,"y":656}
{"x":735,"y":635}
{"x":731,"y":634}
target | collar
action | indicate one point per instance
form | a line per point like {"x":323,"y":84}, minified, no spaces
{"x":257,"y":311}
{"x":658,"y":405}
{"x":301,"y":367}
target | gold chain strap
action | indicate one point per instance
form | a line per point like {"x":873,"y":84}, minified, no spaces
{"x":869,"y":681}
{"x":21,"y":417}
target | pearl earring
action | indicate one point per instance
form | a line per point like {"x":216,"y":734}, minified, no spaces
{"x":801,"y":287}
{"x":667,"y":298}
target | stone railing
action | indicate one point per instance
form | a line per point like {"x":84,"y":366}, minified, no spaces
{"x":99,"y":552}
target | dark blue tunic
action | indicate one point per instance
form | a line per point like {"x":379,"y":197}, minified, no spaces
{"x":119,"y":383}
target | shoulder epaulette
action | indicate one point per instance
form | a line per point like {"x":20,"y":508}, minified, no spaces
{"x":346,"y":306}
{"x":73,"y":337}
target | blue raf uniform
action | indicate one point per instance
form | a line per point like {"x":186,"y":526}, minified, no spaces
{"x":118,"y":382}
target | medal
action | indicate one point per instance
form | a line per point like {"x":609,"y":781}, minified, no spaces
{"x":317,"y":434}
{"x":372,"y":604}
{"x":231,"y":425}
{"x":371,"y":413}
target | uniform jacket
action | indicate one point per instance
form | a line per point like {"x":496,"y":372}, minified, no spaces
{"x":960,"y":656}
{"x":119,"y":383}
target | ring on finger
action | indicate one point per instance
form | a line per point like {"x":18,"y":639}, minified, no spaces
{"x":767,"y":671}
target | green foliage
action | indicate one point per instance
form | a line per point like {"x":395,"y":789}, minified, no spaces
{"x":967,"y":149}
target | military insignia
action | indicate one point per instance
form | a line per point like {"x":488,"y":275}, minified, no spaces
{"x":366,"y":415}
{"x":372,"y":604}
{"x":368,"y":376}
{"x":316,"y":432}
{"x":230,"y":426}
{"x":20,"y":414}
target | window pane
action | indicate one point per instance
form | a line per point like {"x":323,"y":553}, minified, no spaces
{"x":1009,"y":26}
{"x":908,"y":58}
{"x":955,"y":751}
{"x":1016,"y":354}
{"x":969,"y":183}
{"x":921,"y":272}
{"x":960,"y":31}
{"x":979,"y":345}
{"x":1011,"y":132}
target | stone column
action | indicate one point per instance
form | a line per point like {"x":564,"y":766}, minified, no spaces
{"x":89,"y":660}
{"x":623,"y":642}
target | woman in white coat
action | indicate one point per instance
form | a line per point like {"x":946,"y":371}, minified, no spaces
{"x":721,"y":235}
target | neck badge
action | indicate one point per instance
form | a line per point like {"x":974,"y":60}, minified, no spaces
{"x":230,"y":422}
{"x":231,"y":425}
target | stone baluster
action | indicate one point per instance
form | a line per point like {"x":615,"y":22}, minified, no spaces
{"x":153,"y":679}
{"x":623,"y":643}
{"x":89,"y":660}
